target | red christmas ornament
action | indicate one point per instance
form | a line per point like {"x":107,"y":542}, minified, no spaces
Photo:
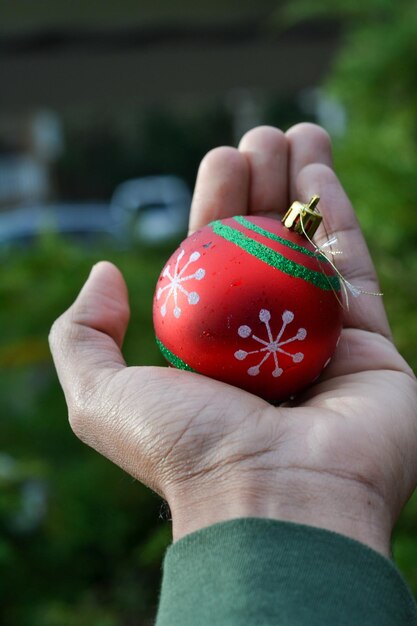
{"x":249,"y":301}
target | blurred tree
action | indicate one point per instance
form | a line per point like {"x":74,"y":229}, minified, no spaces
{"x":374,"y":77}
{"x":80,"y":541}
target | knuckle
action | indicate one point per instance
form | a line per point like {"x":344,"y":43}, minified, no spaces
{"x":63,"y":330}
{"x":77,"y":422}
{"x":82,"y":409}
{"x":93,"y":407}
{"x":55,"y":332}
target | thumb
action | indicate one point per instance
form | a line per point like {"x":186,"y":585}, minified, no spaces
{"x":85,"y":341}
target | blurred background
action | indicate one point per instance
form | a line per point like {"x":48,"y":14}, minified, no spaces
{"x":106,"y":110}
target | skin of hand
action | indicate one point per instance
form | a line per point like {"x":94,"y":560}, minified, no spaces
{"x":343,"y":456}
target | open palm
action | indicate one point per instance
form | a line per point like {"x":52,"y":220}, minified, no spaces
{"x":342,"y":456}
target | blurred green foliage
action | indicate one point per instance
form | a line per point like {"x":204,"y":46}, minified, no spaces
{"x":81,"y":543}
{"x":374,"y":77}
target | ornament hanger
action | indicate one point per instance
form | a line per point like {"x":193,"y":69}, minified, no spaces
{"x":305,"y":220}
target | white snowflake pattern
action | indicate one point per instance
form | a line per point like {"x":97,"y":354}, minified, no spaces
{"x":176,"y":283}
{"x":271,"y":346}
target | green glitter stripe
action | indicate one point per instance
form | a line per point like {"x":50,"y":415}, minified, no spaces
{"x":275,"y":259}
{"x":261,"y":231}
{"x":173,"y":358}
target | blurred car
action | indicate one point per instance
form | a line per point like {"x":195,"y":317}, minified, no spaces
{"x":151,"y":209}
{"x":81,"y":221}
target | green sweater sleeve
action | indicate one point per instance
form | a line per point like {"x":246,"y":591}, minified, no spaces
{"x":260,"y":572}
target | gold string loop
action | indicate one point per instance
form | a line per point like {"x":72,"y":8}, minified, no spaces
{"x":295,"y":220}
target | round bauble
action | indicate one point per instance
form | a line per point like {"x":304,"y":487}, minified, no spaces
{"x":249,"y":302}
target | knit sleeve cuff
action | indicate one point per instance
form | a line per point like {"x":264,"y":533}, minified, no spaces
{"x":265,"y":572}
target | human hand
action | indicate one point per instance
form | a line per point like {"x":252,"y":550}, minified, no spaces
{"x":342,"y":457}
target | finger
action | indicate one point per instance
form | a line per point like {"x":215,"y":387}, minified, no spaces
{"x":85,"y":341}
{"x":266,"y":149}
{"x":307,"y":143}
{"x":221,"y":189}
{"x":355,"y":264}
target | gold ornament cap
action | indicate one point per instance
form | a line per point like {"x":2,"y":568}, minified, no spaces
{"x":303,"y":218}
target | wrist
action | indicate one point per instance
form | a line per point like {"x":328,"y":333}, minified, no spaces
{"x":324,"y":501}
